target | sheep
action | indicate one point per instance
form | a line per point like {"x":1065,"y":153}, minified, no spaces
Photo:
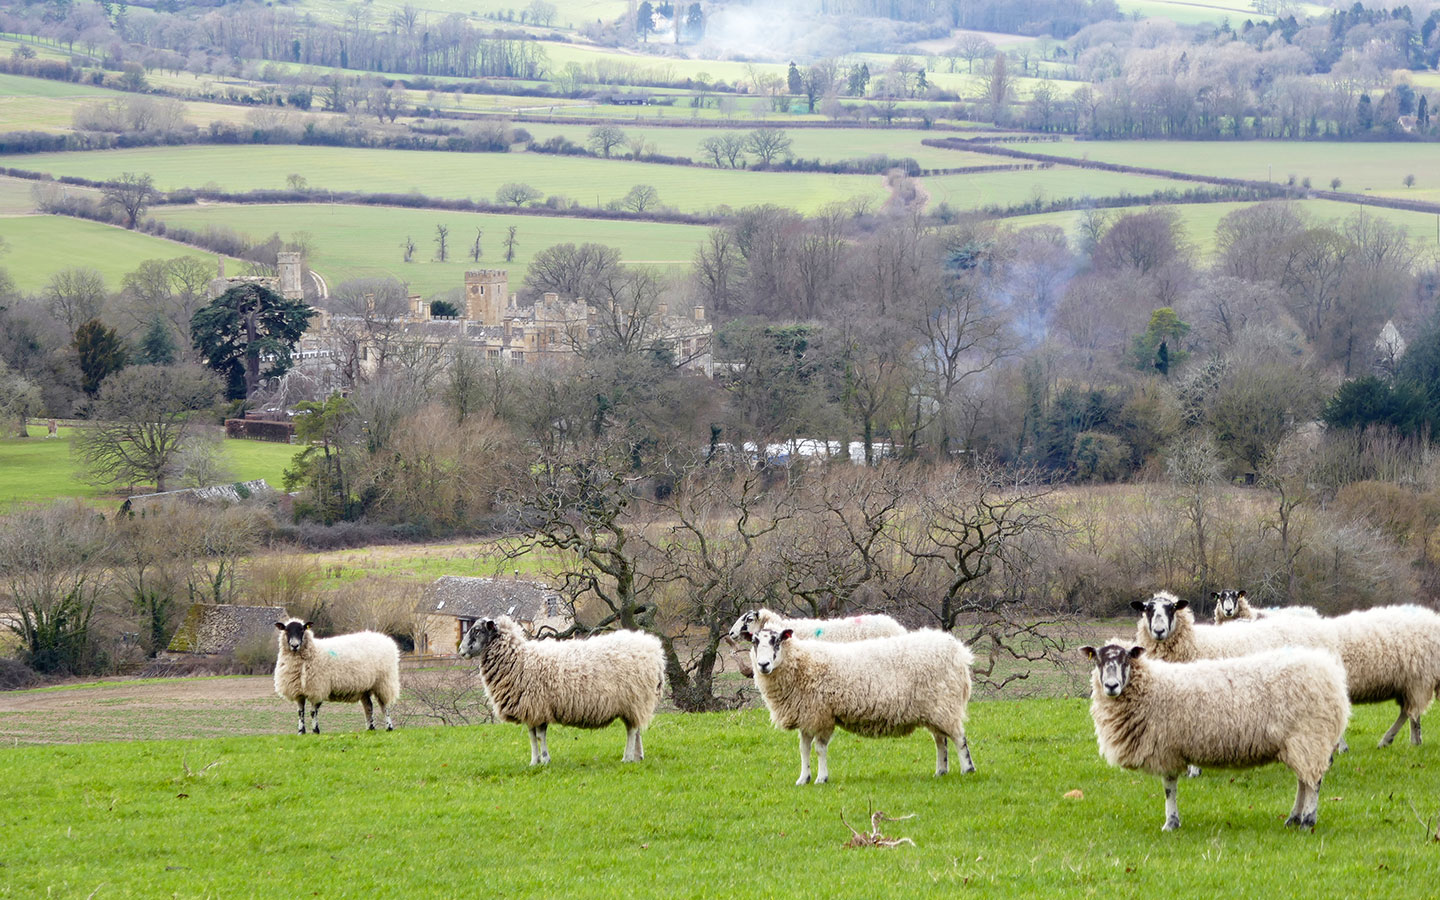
{"x":1389,"y":652}
{"x":1288,"y":705}
{"x":584,"y":683}
{"x":881,"y":687}
{"x":1233,"y":605}
{"x":344,"y":668}
{"x":852,"y":628}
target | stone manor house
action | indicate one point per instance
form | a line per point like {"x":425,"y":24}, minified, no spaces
{"x":491,"y":322}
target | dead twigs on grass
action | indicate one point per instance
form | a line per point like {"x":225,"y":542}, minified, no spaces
{"x":874,"y":838}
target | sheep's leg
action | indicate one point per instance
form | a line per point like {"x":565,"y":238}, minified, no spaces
{"x":632,"y":735}
{"x":1394,"y":729}
{"x":1307,"y":805}
{"x":540,"y":731}
{"x":804,"y":758}
{"x":942,"y":753}
{"x":534,"y":746}
{"x":1342,"y":747}
{"x":1172,"y":805}
{"x":369,"y":711}
{"x":302,"y":715}
{"x":967,"y":765}
{"x":315,"y":716}
{"x":385,"y":711}
{"x":1415,"y":730}
{"x":639,"y":744}
{"x":822,"y":757}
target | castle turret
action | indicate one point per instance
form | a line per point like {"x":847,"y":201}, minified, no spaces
{"x":487,"y":293}
{"x":290,"y":269}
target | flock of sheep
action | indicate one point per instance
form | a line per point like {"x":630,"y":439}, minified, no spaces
{"x":1288,"y":675}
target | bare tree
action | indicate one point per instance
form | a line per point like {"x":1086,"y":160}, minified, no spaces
{"x":475,"y":251}
{"x":516,"y":193}
{"x":75,"y":295}
{"x":970,"y":47}
{"x":132,"y":194}
{"x":510,"y":243}
{"x":640,"y":198}
{"x":604,"y":138}
{"x":768,"y":144}
{"x":442,"y":236}
{"x":140,"y":422}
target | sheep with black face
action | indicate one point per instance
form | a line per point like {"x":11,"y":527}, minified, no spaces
{"x":842,"y":630}
{"x":363,"y":666}
{"x":1288,"y":705}
{"x":1389,"y":652}
{"x":1232,"y":606}
{"x":582,"y":683}
{"x":882,"y":687}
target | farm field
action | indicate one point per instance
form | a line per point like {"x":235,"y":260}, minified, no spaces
{"x":365,"y":241}
{"x":32,"y":243}
{"x":1200,"y":220}
{"x":458,"y":174}
{"x":1006,"y":188}
{"x":1187,"y":12}
{"x":712,"y":805}
{"x":1377,"y":167}
{"x":35,"y":469}
{"x":825,"y":144}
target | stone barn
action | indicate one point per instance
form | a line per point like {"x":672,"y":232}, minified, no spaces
{"x":453,"y":603}
{"x":211,"y":630}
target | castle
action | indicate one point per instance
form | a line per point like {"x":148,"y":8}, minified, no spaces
{"x":492,"y":323}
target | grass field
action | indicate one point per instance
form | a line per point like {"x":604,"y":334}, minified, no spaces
{"x":1361,"y":167}
{"x":33,"y":241}
{"x":457,"y":174}
{"x":1200,"y":220}
{"x":971,"y":191}
{"x":34,"y":469}
{"x":362,"y":241}
{"x":825,"y":144}
{"x":710,"y":812}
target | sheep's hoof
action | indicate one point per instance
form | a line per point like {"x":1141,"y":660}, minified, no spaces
{"x":968,"y":769}
{"x":370,"y":727}
{"x":802,"y":781}
{"x":1305,"y":821}
{"x":1192,"y":771}
{"x":389,"y":727}
{"x":1172,"y":824}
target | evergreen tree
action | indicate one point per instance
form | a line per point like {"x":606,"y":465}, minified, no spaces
{"x":101,"y":353}
{"x":794,"y":83}
{"x":157,"y":347}
{"x":242,"y":325}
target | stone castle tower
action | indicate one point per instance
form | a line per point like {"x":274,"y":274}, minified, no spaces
{"x":487,"y":294}
{"x":290,"y":269}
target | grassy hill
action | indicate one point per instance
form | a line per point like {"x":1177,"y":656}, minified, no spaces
{"x":360,"y":241}
{"x":711,"y":812}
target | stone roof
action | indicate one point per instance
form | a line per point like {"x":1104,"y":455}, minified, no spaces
{"x":220,"y":629}
{"x":474,"y":598}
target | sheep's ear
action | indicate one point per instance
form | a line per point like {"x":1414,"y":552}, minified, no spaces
{"x":1241,"y":595}
{"x":785,"y":635}
{"x":279,"y":626}
{"x":1181,"y":604}
{"x":1089,"y":651}
{"x":1136,"y":651}
{"x":1214,"y":595}
{"x":309,"y":625}
{"x":1137,"y":605}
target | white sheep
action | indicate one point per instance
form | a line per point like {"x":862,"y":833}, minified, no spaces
{"x":1231,"y":606}
{"x":1389,"y":653}
{"x":583,"y":683}
{"x":851,"y":628}
{"x":345,"y":668}
{"x":882,"y":687}
{"x":1286,"y":705}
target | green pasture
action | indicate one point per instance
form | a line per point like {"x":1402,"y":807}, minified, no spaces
{"x":710,"y":812}
{"x":1361,"y":166}
{"x":37,"y":469}
{"x":365,"y":241}
{"x":1187,"y":12}
{"x":442,"y":174}
{"x":1006,"y":188}
{"x":1201,"y":219}
{"x":825,"y":144}
{"x":39,"y":246}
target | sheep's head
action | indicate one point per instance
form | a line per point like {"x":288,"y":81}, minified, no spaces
{"x":767,"y":649}
{"x":1112,"y":665}
{"x":294,"y":631}
{"x":1158,"y":613}
{"x":1228,"y":603}
{"x":741,"y":630}
{"x":480,"y":636}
